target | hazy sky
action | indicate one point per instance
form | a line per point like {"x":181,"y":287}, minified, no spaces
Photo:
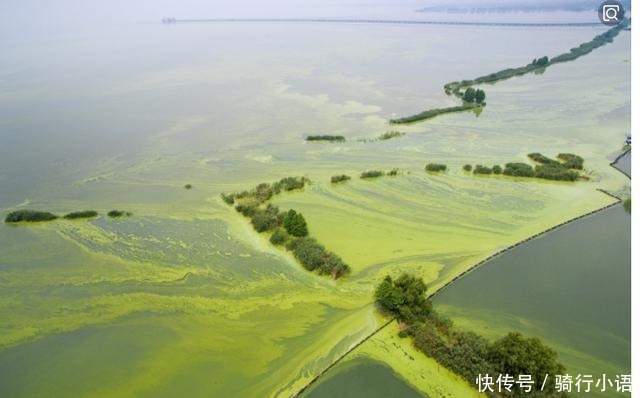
{"x":72,"y":10}
{"x":42,"y":16}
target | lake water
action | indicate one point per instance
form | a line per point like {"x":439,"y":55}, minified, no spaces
{"x":571,"y":287}
{"x":362,"y":378}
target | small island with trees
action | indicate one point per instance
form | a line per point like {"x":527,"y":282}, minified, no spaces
{"x":567,"y":167}
{"x":287,"y":228}
{"x":389,"y":135}
{"x":30,"y":216}
{"x":340,"y":178}
{"x":435,"y":167}
{"x":119,"y":213}
{"x":328,"y":138}
{"x":371,"y":174}
{"x":81,"y":214}
{"x":463,"y":352}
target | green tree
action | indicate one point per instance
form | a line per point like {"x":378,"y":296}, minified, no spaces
{"x":263,"y":221}
{"x":295,"y":224}
{"x":469,"y":95}
{"x":515,"y":354}
{"x":384,"y":293}
{"x":542,"y":61}
{"x":480,"y":96}
{"x":279,"y":237}
{"x":404,"y":298}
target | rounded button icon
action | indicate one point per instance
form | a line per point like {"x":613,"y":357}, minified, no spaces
{"x":611,"y":12}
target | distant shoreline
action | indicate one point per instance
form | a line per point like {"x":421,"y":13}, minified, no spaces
{"x":380,"y":22}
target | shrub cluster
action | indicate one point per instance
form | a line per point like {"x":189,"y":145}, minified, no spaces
{"x":467,"y":167}
{"x":474,"y":95}
{"x":548,"y":169}
{"x":29,"y":216}
{"x":340,"y":178}
{"x":540,"y":158}
{"x":264,"y":191}
{"x":81,"y":214}
{"x":279,"y":237}
{"x":435,"y":167}
{"x":35,"y":216}
{"x":295,"y":224}
{"x":330,"y":138}
{"x":314,"y":257}
{"x":431,"y":113}
{"x":404,"y":298}
{"x":264,"y":219}
{"x":518,"y":169}
{"x":480,"y":169}
{"x":389,"y":135}
{"x":287,"y":228}
{"x":371,"y":174}
{"x":555,"y":172}
{"x":540,"y":61}
{"x":571,"y":161}
{"x":118,"y":213}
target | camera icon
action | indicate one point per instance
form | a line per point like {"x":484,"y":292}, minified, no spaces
{"x":611,"y":12}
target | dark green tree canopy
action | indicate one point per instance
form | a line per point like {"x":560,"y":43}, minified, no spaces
{"x":404,"y":297}
{"x":295,"y":224}
{"x":515,"y":354}
{"x":469,"y":95}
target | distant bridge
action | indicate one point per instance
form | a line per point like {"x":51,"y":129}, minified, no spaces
{"x":379,"y":22}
